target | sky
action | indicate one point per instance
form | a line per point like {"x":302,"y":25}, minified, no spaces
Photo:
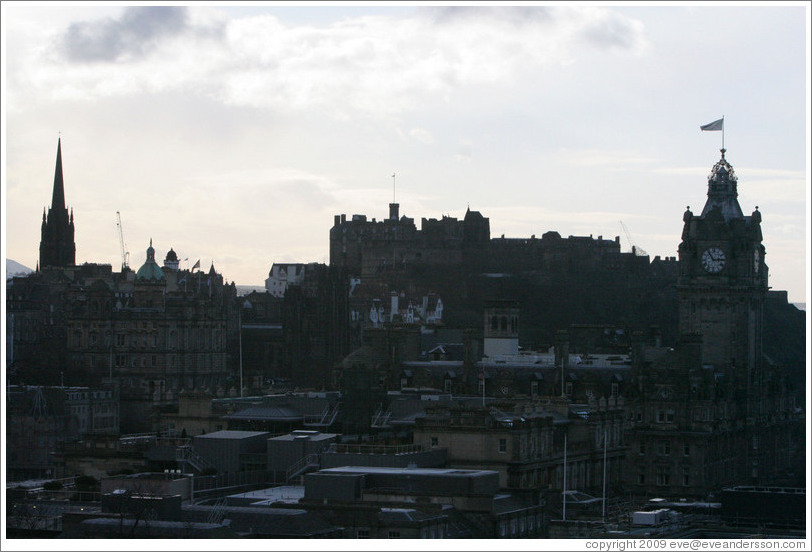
{"x":234,"y":135}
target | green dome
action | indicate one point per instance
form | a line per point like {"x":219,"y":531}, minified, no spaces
{"x":150,"y":271}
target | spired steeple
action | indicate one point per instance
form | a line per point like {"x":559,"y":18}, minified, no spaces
{"x":58,"y":198}
{"x":722,"y":191}
{"x":57,"y":247}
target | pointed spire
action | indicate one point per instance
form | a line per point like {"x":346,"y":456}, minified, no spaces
{"x":58,"y":198}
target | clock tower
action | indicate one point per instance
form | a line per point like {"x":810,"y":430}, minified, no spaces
{"x":722,"y":280}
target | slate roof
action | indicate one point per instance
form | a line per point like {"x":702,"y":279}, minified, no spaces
{"x":402,"y":516}
{"x":268,"y":522}
{"x":266,"y":413}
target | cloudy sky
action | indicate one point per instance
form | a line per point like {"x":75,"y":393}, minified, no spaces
{"x":234,"y":135}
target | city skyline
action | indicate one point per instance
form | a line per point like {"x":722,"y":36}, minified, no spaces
{"x":234,"y":135}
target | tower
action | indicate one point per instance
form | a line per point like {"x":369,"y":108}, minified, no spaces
{"x":501,"y":328}
{"x":57,"y":247}
{"x":722,"y":281}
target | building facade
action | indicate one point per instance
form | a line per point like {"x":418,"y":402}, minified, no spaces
{"x":702,"y":411}
{"x":153,"y":334}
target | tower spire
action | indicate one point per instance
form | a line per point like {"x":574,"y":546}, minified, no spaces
{"x":58,"y":198}
{"x":57,"y":247}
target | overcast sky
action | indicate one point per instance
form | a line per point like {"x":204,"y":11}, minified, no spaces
{"x":234,"y":135}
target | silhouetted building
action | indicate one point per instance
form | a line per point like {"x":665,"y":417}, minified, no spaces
{"x":56,"y":247}
{"x":42,"y":420}
{"x":713,"y":411}
{"x":153,"y":333}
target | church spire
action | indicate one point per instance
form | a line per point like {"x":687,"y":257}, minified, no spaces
{"x":58,"y":199}
{"x":57,"y":247}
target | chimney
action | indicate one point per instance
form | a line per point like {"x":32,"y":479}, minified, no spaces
{"x":393,"y":211}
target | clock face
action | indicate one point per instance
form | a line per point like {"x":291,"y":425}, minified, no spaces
{"x":713,"y":260}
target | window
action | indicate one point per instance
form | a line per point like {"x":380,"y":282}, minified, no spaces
{"x":686,"y":449}
{"x":662,"y":479}
{"x":534,"y":388}
{"x":363,"y":533}
{"x":502,"y":445}
{"x":394,"y":534}
{"x":664,"y":448}
{"x":569,"y":388}
{"x":686,"y":477}
{"x":481,"y":386}
{"x":665,"y":416}
{"x":447,"y":385}
{"x":641,"y":448}
{"x":641,"y":478}
{"x":435,"y":441}
{"x":614,"y":389}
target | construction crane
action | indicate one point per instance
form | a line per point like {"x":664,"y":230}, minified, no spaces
{"x":635,"y":249}
{"x":125,"y":255}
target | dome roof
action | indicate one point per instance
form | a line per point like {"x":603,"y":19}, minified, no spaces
{"x":171,"y":256}
{"x":150,"y":271}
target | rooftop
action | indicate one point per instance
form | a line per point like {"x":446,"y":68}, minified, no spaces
{"x":231,"y":434}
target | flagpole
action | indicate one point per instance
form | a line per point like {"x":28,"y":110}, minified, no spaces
{"x":564,"y":498}
{"x":604,"y":474}
{"x":723,"y":132}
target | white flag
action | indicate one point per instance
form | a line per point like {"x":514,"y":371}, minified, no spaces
{"x":715,"y":125}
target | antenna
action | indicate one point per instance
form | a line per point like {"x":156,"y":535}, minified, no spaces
{"x":125,"y":255}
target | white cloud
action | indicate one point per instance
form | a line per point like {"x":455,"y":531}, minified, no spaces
{"x":421,"y":135}
{"x":375,"y":65}
{"x":607,"y":159}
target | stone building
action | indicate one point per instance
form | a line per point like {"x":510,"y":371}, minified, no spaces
{"x":713,"y":410}
{"x":262,"y":345}
{"x":42,"y":420}
{"x":57,"y":247}
{"x":524,"y":441}
{"x":315,"y":326}
{"x":153,"y":333}
{"x":283,"y":275}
